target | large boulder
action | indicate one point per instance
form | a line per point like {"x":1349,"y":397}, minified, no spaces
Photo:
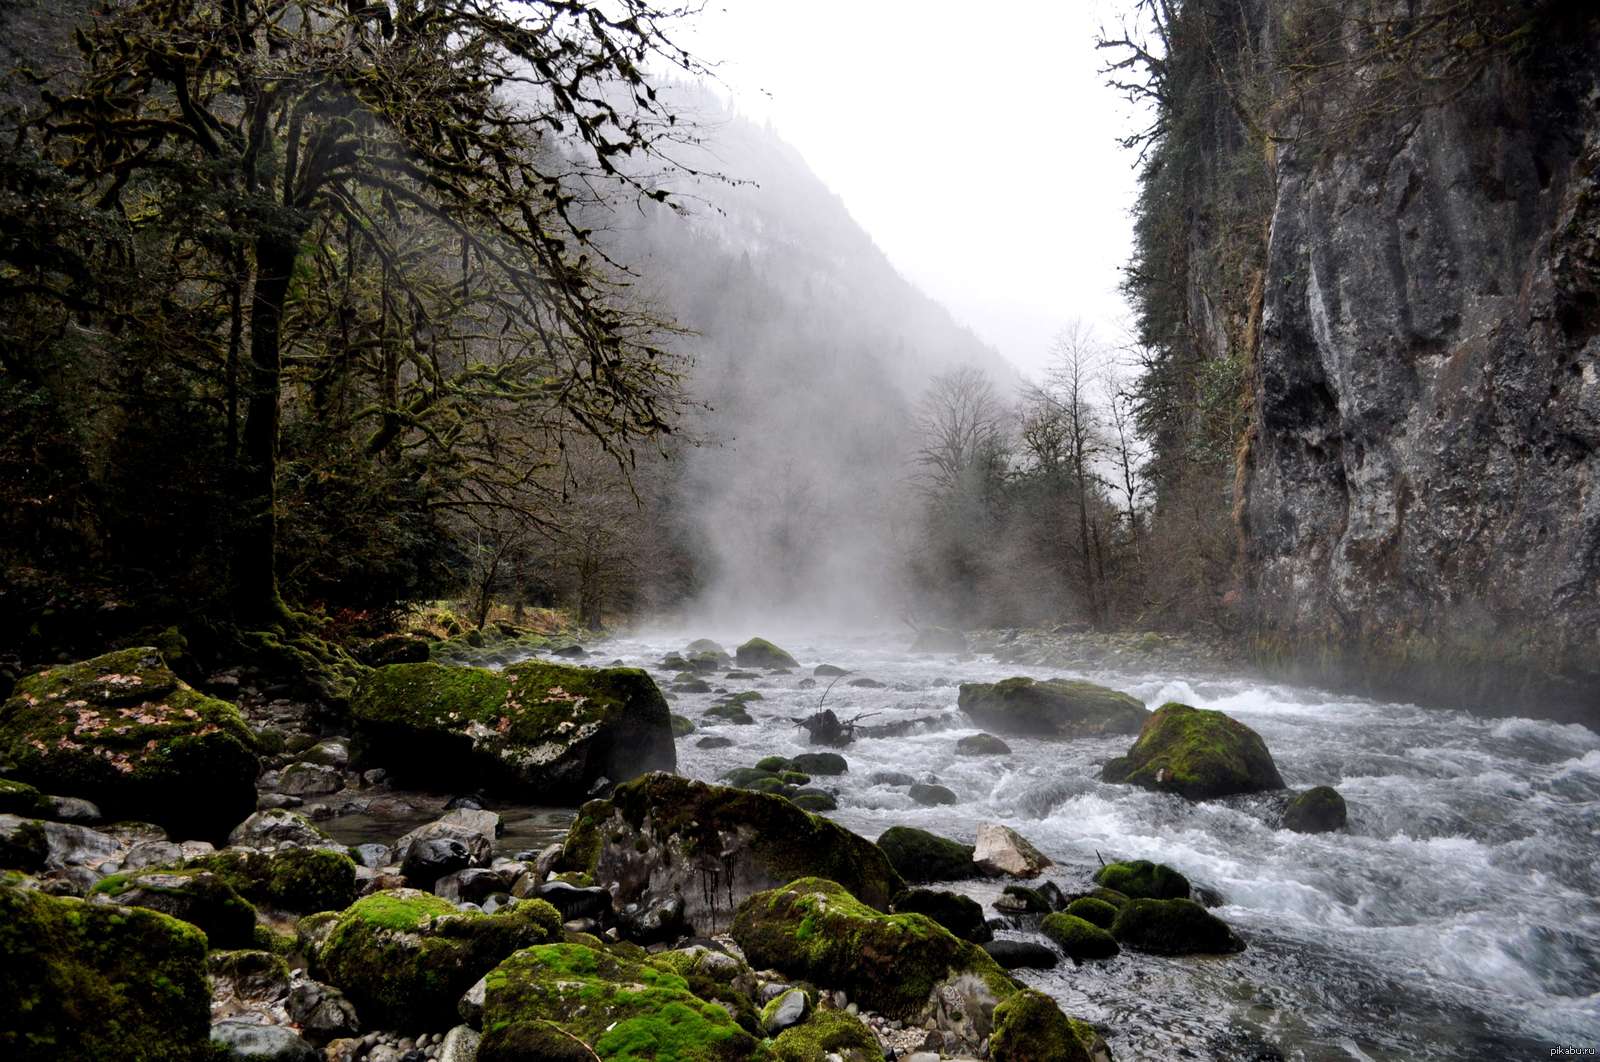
{"x":1173,"y":927}
{"x":534,"y":731}
{"x":663,"y":836}
{"x":758,"y":652}
{"x":920,"y":856}
{"x":544,"y":1001}
{"x":1140,"y":879}
{"x":1318,"y":810}
{"x":1002,"y":850}
{"x":1056,"y":708}
{"x":405,"y":957}
{"x":959,"y":914}
{"x":301,"y":880}
{"x":82,"y":980}
{"x":825,"y":1036}
{"x":196,"y":896}
{"x":125,"y":732}
{"x":1029,"y":1027}
{"x":1078,"y":937}
{"x":1196,"y":753}
{"x":905,"y":966}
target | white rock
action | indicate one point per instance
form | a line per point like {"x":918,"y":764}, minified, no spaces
{"x":1002,"y":850}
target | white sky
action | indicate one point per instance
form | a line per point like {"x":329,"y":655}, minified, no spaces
{"x":976,"y":143}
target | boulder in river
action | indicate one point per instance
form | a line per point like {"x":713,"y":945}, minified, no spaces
{"x":982,"y":745}
{"x":1141,"y":879}
{"x":1078,"y":937}
{"x":959,"y":914}
{"x":533,"y":731}
{"x":758,"y":652}
{"x":1002,"y":850}
{"x":125,"y":732}
{"x":1056,"y":708}
{"x":290,"y":879}
{"x":1318,"y":810}
{"x":662,"y":835}
{"x":196,"y":896}
{"x":276,"y":826}
{"x":920,"y":856}
{"x":1029,"y":1027}
{"x":251,"y":1041}
{"x":1021,"y":954}
{"x":1198,"y":754}
{"x":932,"y":795}
{"x":92,"y":981}
{"x":1173,"y":927}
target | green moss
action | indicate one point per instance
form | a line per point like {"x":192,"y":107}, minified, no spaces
{"x":733,"y":713}
{"x":745,"y":777}
{"x":123,"y":731}
{"x":198,"y":897}
{"x":1173,"y":927}
{"x":922,"y":856}
{"x":95,"y":981}
{"x":815,"y":930}
{"x":1031,"y":900}
{"x":622,"y":1011}
{"x":1029,"y":1027}
{"x":682,"y":726}
{"x":1095,"y":911}
{"x":758,"y":652}
{"x":1059,"y":708}
{"x":1078,"y":937}
{"x":959,"y":914}
{"x":1142,"y":879}
{"x":826,"y":763}
{"x":24,"y":847}
{"x":1196,"y":753}
{"x":1318,"y":810}
{"x":827,"y":1032}
{"x":292,"y":879}
{"x":19,"y":798}
{"x":773,"y":764}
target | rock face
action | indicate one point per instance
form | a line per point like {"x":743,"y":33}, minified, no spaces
{"x":125,"y":732}
{"x":1419,"y":496}
{"x":1057,"y":708}
{"x":662,"y":836}
{"x":87,"y":981}
{"x":1198,"y":754}
{"x":534,"y":731}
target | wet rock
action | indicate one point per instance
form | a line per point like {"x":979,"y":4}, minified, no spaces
{"x":1173,"y":927}
{"x":332,"y":752}
{"x":571,"y":652}
{"x":276,"y":826}
{"x":920,"y":856}
{"x":255,"y":1042}
{"x":123,"y":731}
{"x":714,"y":742}
{"x":35,"y":844}
{"x":1029,"y":1027}
{"x":427,"y":860}
{"x":890,"y":778}
{"x":534,"y":731}
{"x":731,"y":712}
{"x":310,"y":779}
{"x":682,"y":726}
{"x":196,"y":896}
{"x":372,"y":855}
{"x":653,"y":923}
{"x":249,"y":983}
{"x":1079,"y":938}
{"x":982,"y":745}
{"x":788,"y":1009}
{"x":474,"y":829}
{"x":1021,"y":954}
{"x":1319,"y":810}
{"x":932,"y":795}
{"x":662,"y":835}
{"x":1019,"y":899}
{"x":322,"y":1011}
{"x":395,"y":649}
{"x":1092,"y":909}
{"x":460,"y":1044}
{"x":71,"y":809}
{"x":1142,"y":879}
{"x":959,"y":914}
{"x":1198,"y":754}
{"x":819,"y":763}
{"x":574,"y":901}
{"x":472,"y":885}
{"x":1002,"y":850}
{"x":828,"y":671}
{"x":758,"y":652}
{"x":865,"y":684}
{"x":151,"y":854}
{"x":1057,"y":708}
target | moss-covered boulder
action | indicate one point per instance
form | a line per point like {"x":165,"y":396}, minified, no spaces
{"x":824,"y":763}
{"x":1318,"y":810}
{"x":1095,"y":911}
{"x":20,"y":798}
{"x":982,"y":745}
{"x":534,"y":731}
{"x":1196,"y":753}
{"x":1029,"y":1027}
{"x":1143,"y":880}
{"x":1078,"y":937}
{"x":405,"y":957}
{"x":816,"y":931}
{"x":758,"y":652}
{"x":301,"y":880}
{"x":662,"y":836}
{"x":1173,"y":927}
{"x":682,"y":726}
{"x":91,"y":981}
{"x":960,"y":914}
{"x":548,"y":1001}
{"x":125,"y":732}
{"x":827,"y":1034}
{"x":1056,"y":708}
{"x":198,"y":897}
{"x":920,"y":856}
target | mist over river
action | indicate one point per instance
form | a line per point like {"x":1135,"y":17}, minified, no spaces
{"x":1455,"y":918}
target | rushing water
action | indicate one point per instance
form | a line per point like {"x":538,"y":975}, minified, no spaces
{"x":1456,"y":918}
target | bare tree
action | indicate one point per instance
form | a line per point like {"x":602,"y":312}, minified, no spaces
{"x":1076,"y":360}
{"x":1126,"y":450}
{"x":960,"y":428}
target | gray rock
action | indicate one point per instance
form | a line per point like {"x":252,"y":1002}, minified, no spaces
{"x":426,"y":861}
{"x":151,"y":854}
{"x":1002,"y":850}
{"x":322,"y":1011}
{"x":932,"y":795}
{"x":474,"y":831}
{"x":276,"y":826}
{"x":471,"y":885}
{"x":790,"y":1009}
{"x":333,"y":752}
{"x":470,"y":1006}
{"x":460,"y":1045}
{"x":261,"y":1043}
{"x":310,"y":779}
{"x":372,"y":855}
{"x":71,"y":809}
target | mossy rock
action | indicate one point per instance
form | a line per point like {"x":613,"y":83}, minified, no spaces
{"x":813,"y":800}
{"x":662,"y":835}
{"x":960,"y":914}
{"x":982,"y":745}
{"x":1078,"y":937}
{"x":620,"y":1010}
{"x":704,"y":645}
{"x":823,"y":763}
{"x":93,"y":981}
{"x":827,"y":1034}
{"x":1198,"y":754}
{"x":1173,"y":927}
{"x":534,"y":731}
{"x":1021,"y":899}
{"x":758,"y":652}
{"x":682,"y":726}
{"x":123,"y":731}
{"x":23,"y":843}
{"x":920,"y":856}
{"x":817,"y":931}
{"x":744,"y":777}
{"x":19,"y":798}
{"x":404,"y":957}
{"x":1143,"y":880}
{"x":1318,"y":810}
{"x":1095,"y":911}
{"x":731,"y":713}
{"x":198,"y":897}
{"x":1029,"y":1027}
{"x":301,"y":880}
{"x":1055,"y":708}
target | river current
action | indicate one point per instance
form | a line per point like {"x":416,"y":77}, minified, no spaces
{"x":1456,"y":918}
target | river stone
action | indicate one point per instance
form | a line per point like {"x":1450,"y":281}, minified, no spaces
{"x":460,"y":1045}
{"x":330,"y":752}
{"x":372,"y":855}
{"x":714,"y":742}
{"x":123,"y":731}
{"x":1079,"y":938}
{"x":534,"y":731}
{"x":1198,"y":754}
{"x":34,"y":844}
{"x":276,"y":826}
{"x":92,"y":981}
{"x":1056,"y":708}
{"x":662,"y":835}
{"x":828,"y":671}
{"x":261,"y":1043}
{"x":71,"y":809}
{"x":1002,"y":850}
{"x":1029,"y":1027}
{"x":959,"y":914}
{"x":1021,"y":954}
{"x":788,"y":1009}
{"x":1173,"y":927}
{"x":931,"y":796}
{"x":820,"y":763}
{"x":310,"y":779}
{"x":982,"y":745}
{"x":428,"y":859}
{"x":758,"y":652}
{"x":322,"y":1011}
{"x":196,"y":896}
{"x":921,"y":856}
{"x":473,"y":827}
{"x":1319,"y":810}
{"x":1141,"y":879}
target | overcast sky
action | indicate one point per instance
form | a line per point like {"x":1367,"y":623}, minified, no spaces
{"x":975,"y":143}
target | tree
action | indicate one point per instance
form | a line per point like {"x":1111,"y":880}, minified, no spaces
{"x":958,"y":425}
{"x":269,"y":126}
{"x":1076,"y":361}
